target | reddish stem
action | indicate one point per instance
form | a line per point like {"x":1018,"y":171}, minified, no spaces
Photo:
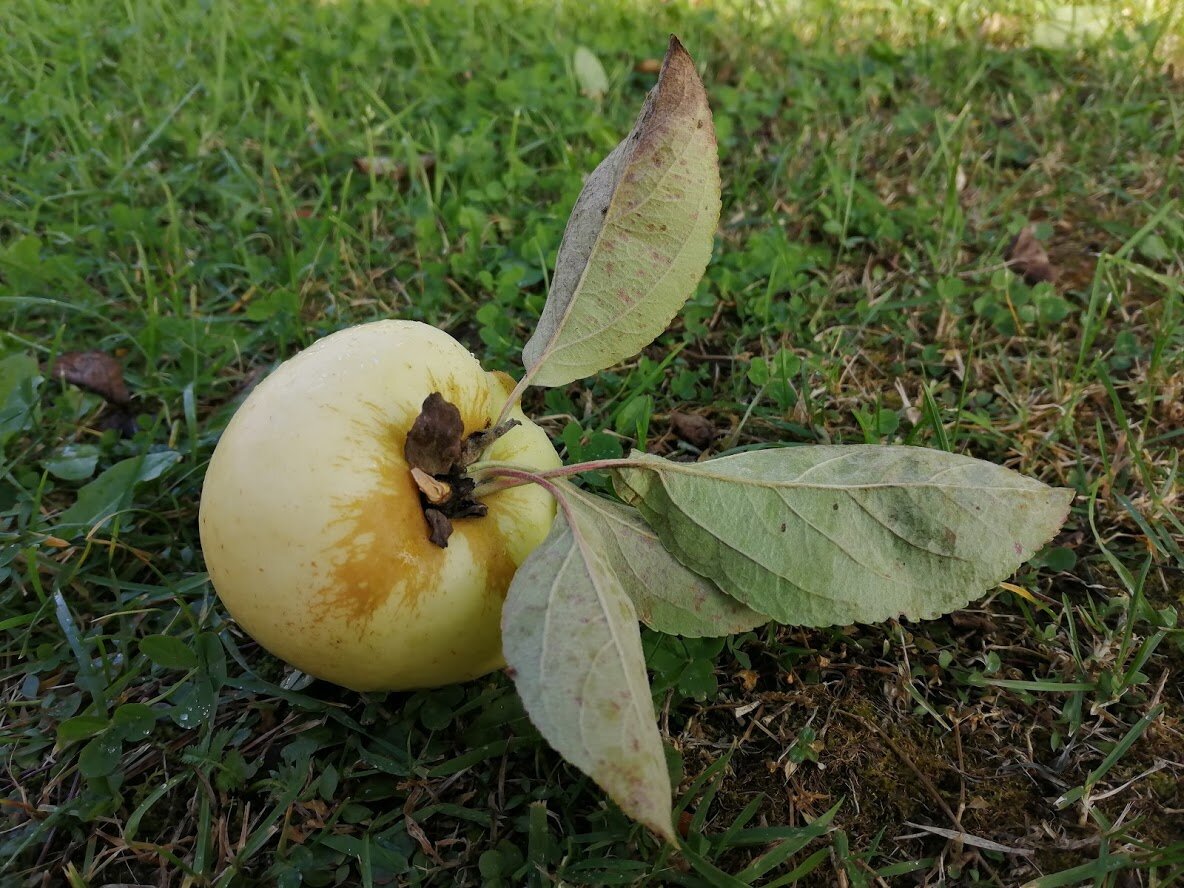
{"x":518,"y":476}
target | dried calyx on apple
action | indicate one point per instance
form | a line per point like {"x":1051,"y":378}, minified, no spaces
{"x":438,"y":454}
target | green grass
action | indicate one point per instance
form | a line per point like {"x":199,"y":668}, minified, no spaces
{"x":178,"y":188}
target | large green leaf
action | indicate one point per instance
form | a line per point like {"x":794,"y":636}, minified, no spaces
{"x":168,"y":652}
{"x":19,"y":381}
{"x":839,"y":534}
{"x":639,"y":236}
{"x":667,"y":596}
{"x":114,"y":489}
{"x":571,"y":638}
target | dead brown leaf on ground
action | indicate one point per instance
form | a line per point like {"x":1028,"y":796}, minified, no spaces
{"x":696,"y":430}
{"x":1027,"y":257}
{"x":94,"y":371}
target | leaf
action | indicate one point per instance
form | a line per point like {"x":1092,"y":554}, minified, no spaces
{"x":590,"y":73}
{"x":667,"y":596}
{"x":168,"y":652}
{"x":100,"y":756}
{"x":212,"y":656}
{"x":21,"y":264}
{"x":74,"y":462}
{"x":194,"y":705}
{"x":95,"y":371}
{"x":571,"y":637}
{"x":1026,"y":256}
{"x":830,"y":535}
{"x":81,"y":727}
{"x":134,"y":721}
{"x":113,"y":489}
{"x":1153,"y":247}
{"x":19,"y":381}
{"x":639,"y":236}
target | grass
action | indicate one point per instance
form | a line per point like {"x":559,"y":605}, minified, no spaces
{"x":179,"y":189}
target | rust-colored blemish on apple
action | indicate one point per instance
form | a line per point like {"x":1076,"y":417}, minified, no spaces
{"x":488,"y":549}
{"x":383,"y":548}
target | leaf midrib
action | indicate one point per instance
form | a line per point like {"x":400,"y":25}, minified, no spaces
{"x":645,"y":464}
{"x":587,"y":556}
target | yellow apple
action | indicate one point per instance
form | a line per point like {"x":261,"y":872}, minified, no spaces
{"x":312,"y":527}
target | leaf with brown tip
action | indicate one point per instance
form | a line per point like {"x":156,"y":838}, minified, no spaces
{"x":639,"y":236}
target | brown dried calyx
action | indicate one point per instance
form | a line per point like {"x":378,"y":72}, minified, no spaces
{"x":438,"y":454}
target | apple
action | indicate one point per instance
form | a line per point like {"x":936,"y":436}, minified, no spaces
{"x":313,"y":528}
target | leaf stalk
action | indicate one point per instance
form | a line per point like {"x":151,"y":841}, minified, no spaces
{"x":492,"y":476}
{"x":515,"y":397}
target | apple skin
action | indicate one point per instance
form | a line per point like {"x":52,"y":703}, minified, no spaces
{"x":312,"y":528}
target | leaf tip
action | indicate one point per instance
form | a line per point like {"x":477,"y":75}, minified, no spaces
{"x":677,"y":57}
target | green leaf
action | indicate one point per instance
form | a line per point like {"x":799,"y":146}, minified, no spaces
{"x":21,"y":263}
{"x":112,"y":491}
{"x":831,"y":535}
{"x":667,"y":596}
{"x":234,"y":771}
{"x":134,"y":721}
{"x":168,"y":652}
{"x":194,"y":705}
{"x":633,"y":419}
{"x":1153,"y":247}
{"x":15,"y":370}
{"x":276,"y":304}
{"x":80,"y":728}
{"x":212,"y":656}
{"x":100,"y":756}
{"x":1058,"y":558}
{"x":74,"y":462}
{"x":639,"y":236}
{"x":571,"y":638}
{"x":590,"y":73}
{"x":19,"y":381}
